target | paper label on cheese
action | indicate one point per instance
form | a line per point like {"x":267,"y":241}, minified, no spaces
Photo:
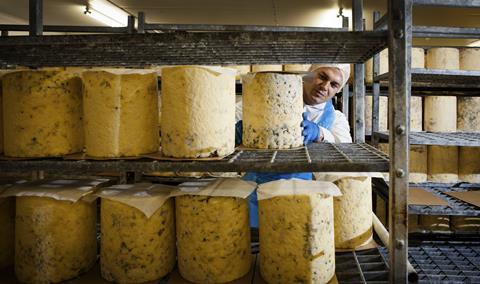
{"x":222,"y":187}
{"x":289,"y":187}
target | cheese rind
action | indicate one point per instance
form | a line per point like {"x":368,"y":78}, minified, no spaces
{"x":134,"y":248}
{"x":263,"y":68}
{"x":442,"y":163}
{"x":121,"y":114}
{"x":297,"y":239}
{"x":272,"y":111}
{"x":443,"y":58}
{"x":198,"y":112}
{"x":434,"y":223}
{"x":213,"y":238}
{"x":296,"y":67}
{"x":42,"y":113}
{"x":353,"y":212}
{"x":54,"y":240}
{"x":7,"y":232}
{"x":469,"y":164}
{"x":418,"y":164}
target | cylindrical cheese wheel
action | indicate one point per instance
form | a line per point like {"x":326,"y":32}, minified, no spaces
{"x":241,"y":69}
{"x":440,"y":114}
{"x":134,"y":248}
{"x":213,"y":238}
{"x":54,"y":240}
{"x":442,"y":164}
{"x":296,"y":67}
{"x":416,"y":114}
{"x":297,"y":239}
{"x":272,"y":111}
{"x":469,"y":164}
{"x":198,"y":112}
{"x":470,"y":59}
{"x":353,"y":212}
{"x":263,"y":68}
{"x":7,"y":232}
{"x":468,"y":109}
{"x":42,"y":113}
{"x":120,"y":113}
{"x":434,"y":223}
{"x":465,"y":224}
{"x":443,"y":58}
{"x":382,"y":114}
{"x":418,"y":163}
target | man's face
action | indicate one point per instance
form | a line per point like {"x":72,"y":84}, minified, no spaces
{"x":321,"y":85}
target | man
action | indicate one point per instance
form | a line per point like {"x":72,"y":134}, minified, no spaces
{"x":321,"y":122}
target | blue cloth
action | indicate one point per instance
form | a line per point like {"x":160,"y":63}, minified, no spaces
{"x":238,"y":132}
{"x":326,"y":121}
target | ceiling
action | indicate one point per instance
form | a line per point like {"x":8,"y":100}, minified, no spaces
{"x":246,"y":12}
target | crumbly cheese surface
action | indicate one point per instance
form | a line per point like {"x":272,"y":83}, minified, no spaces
{"x":7,"y":231}
{"x":54,"y":240}
{"x":416,"y":114}
{"x":198,"y":113}
{"x":443,"y":58}
{"x":442,"y":164}
{"x":353,"y":212}
{"x":121,"y":114}
{"x":213,"y":238}
{"x":468,"y":118}
{"x":382,"y":112}
{"x":272,"y":111}
{"x":440,"y":114}
{"x":134,"y":248}
{"x":42,"y":113}
{"x":297,"y":239}
{"x":469,"y":164}
{"x":418,"y":163}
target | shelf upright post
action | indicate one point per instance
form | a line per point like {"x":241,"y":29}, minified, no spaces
{"x":35,"y":17}
{"x":345,"y":91}
{"x":359,"y":78}
{"x":131,"y":25}
{"x":399,"y":57}
{"x":141,"y":23}
{"x":375,"y":91}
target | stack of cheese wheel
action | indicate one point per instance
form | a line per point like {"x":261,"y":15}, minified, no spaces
{"x":135,"y":247}
{"x":383,"y":101}
{"x":441,"y":116}
{"x":265,"y":68}
{"x":241,"y":70}
{"x":120,"y":109}
{"x":213,"y":237}
{"x":296,"y":67}
{"x":468,"y":120}
{"x":54,"y":240}
{"x":7,"y":231}
{"x":198,"y":111}
{"x":296,"y":232}
{"x":272,"y":111}
{"x":353,"y":212}
{"x":42,"y":113}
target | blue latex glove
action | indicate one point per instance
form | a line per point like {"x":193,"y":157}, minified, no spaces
{"x":311,"y":131}
{"x":238,"y":132}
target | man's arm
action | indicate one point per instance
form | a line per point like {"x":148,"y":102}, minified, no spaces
{"x":339,"y":132}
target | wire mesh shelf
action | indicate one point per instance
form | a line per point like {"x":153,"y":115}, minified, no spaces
{"x":471,"y":139}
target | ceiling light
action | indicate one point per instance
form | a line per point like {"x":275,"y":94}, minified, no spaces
{"x":107,"y":13}
{"x":475,"y":43}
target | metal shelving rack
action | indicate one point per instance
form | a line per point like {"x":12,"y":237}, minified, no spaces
{"x":246,"y":45}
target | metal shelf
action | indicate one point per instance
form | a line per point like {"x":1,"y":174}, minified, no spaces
{"x":471,"y":139}
{"x":367,"y":266}
{"x":440,"y":78}
{"x":448,"y":3}
{"x":456,"y":207}
{"x":427,"y":91}
{"x":315,"y":157}
{"x":187,"y":48}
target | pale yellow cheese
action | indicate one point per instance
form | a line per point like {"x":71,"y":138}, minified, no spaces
{"x":465,"y":224}
{"x":468,"y":109}
{"x":134,"y":248}
{"x":443,"y":58}
{"x":442,"y":164}
{"x":297,"y":239}
{"x":440,"y":114}
{"x":296,"y":67}
{"x":418,"y":162}
{"x":54,"y":240}
{"x":416,"y":114}
{"x":7,"y":231}
{"x":272,"y":111}
{"x":263,"y":68}
{"x":353,"y":212}
{"x":121,"y":117}
{"x":213,"y":238}
{"x":469,"y":164}
{"x":382,"y":114}
{"x":434,"y":223}
{"x":198,"y":112}
{"x":241,"y":69}
{"x":42,"y":113}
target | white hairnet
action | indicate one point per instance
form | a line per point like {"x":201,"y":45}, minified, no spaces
{"x":344,"y":69}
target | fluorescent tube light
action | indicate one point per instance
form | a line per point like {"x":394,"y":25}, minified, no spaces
{"x":106,"y":13}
